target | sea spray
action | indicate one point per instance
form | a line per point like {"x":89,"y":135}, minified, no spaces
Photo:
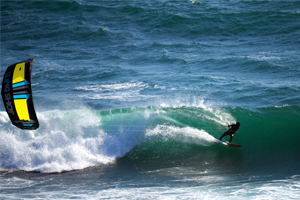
{"x":183,"y":135}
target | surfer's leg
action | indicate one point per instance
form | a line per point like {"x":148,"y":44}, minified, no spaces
{"x":230,"y":138}
{"x":222,"y":136}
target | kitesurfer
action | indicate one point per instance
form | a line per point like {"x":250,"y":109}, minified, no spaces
{"x":232,"y":129}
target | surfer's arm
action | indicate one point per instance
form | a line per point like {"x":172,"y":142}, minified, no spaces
{"x":232,"y":126}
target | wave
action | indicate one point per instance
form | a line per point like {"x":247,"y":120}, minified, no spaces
{"x":269,"y":138}
{"x":76,"y":139}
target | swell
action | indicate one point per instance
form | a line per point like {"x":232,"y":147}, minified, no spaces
{"x":91,"y":21}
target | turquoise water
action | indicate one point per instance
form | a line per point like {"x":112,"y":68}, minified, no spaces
{"x":130,"y":96}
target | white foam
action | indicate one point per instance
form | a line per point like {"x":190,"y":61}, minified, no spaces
{"x":15,"y":183}
{"x":275,"y":189}
{"x":212,"y":112}
{"x":155,"y":193}
{"x":3,"y":117}
{"x":197,"y":184}
{"x":114,"y":87}
{"x":185,"y":135}
{"x":159,"y":87}
{"x":282,"y":106}
{"x":52,"y":152}
{"x":219,"y":116}
{"x":66,"y":140}
{"x":129,"y":92}
{"x":120,"y":95}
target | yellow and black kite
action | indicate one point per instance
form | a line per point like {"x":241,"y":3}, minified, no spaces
{"x":17,"y":96}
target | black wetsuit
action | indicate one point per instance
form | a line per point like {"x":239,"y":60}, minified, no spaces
{"x":232,"y":129}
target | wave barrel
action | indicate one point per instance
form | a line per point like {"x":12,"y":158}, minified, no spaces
{"x":17,"y":95}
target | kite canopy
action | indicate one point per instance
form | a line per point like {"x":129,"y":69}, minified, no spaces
{"x":17,"y":96}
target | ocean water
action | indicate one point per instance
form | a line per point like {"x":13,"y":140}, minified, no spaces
{"x":131,"y":96}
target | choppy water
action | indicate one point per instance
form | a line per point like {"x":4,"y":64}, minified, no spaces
{"x":131,"y":95}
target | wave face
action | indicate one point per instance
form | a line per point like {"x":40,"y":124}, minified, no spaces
{"x":269,"y":138}
{"x":77,"y":139}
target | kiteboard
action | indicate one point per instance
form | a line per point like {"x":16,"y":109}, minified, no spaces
{"x":233,"y":145}
{"x":227,"y":144}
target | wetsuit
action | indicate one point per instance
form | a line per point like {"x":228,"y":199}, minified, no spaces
{"x":232,"y":129}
